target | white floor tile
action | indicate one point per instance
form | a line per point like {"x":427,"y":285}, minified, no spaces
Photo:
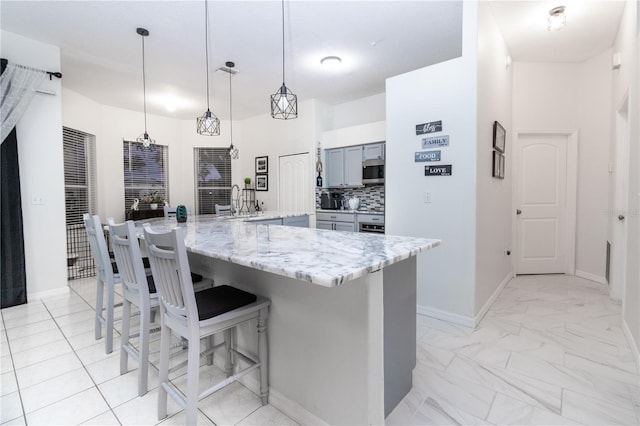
{"x":509,"y":411}
{"x":104,"y":419}
{"x":143,"y":410}
{"x":401,"y":415}
{"x":591,"y":410}
{"x":124,"y":388}
{"x":84,"y":316}
{"x":180,"y":420}
{"x":230,"y":404}
{"x":22,"y":320}
{"x":8,"y":383}
{"x":29,"y":329}
{"x":76,"y":409}
{"x":267,"y":415}
{"x":54,"y":390}
{"x":22,"y":344}
{"x":41,"y":353}
{"x":23,"y":310}
{"x":11,"y":407}
{"x":105,"y":369}
{"x":96,"y":352}
{"x":433,"y":412}
{"x":6,"y":364}
{"x":48,"y":369}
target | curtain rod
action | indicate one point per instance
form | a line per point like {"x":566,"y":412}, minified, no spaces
{"x":51,"y":74}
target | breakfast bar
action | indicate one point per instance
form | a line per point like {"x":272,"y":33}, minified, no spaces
{"x":342,"y":336}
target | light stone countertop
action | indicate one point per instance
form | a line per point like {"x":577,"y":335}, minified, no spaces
{"x":322,"y":257}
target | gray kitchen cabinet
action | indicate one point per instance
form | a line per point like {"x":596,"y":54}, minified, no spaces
{"x":344,"y":167}
{"x":336,"y":221}
{"x":277,"y":221}
{"x":373,"y":151}
{"x":298,"y":221}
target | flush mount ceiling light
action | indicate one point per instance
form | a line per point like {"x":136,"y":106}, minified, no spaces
{"x":208,"y":124}
{"x":330,"y":62}
{"x":233,"y":151}
{"x":284,"y":104}
{"x":557,"y":19}
{"x":144,"y":138}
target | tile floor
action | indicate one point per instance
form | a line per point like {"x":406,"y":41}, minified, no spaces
{"x":550,"y":351}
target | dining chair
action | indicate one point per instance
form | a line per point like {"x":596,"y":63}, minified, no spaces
{"x":137,"y":289}
{"x":106,"y":276}
{"x":223,"y":209}
{"x":195,"y":316}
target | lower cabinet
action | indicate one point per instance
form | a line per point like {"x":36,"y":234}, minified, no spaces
{"x":336,"y":221}
{"x":277,"y":221}
{"x":301,"y":221}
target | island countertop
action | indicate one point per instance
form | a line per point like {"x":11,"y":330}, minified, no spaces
{"x":322,"y":257}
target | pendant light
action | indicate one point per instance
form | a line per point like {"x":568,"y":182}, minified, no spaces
{"x":208,"y":124}
{"x":233,"y":151}
{"x":144,"y":138}
{"x":284,"y":104}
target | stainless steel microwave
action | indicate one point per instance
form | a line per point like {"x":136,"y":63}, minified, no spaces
{"x":373,"y":172}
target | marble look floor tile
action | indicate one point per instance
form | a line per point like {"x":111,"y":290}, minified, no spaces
{"x":11,"y":407}
{"x":21,"y":344}
{"x":47,"y":369}
{"x":613,"y":371}
{"x":433,"y":356}
{"x":401,"y":415}
{"x":433,"y":412}
{"x":267,"y":415}
{"x":510,"y":411}
{"x":8,"y":383}
{"x":125,"y":387}
{"x":591,"y":410}
{"x":104,"y":419}
{"x":144,"y":410}
{"x":41,"y":353}
{"x":230,"y":404}
{"x":76,"y":409}
{"x":54,"y":390}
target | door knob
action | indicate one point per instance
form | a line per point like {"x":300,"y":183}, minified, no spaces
{"x":620,"y":217}
{"x":518,"y":211}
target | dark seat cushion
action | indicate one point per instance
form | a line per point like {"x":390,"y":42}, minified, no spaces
{"x":152,"y":283}
{"x":145,"y":262}
{"x":218,"y":300}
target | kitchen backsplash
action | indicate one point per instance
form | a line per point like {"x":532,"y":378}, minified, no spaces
{"x":371,"y":197}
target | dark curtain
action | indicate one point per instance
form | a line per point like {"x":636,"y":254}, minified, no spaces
{"x":13,"y":278}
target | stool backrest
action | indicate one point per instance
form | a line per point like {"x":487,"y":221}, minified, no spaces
{"x":98,"y":245}
{"x":223,"y":209}
{"x":172,"y":275}
{"x":126,"y":248}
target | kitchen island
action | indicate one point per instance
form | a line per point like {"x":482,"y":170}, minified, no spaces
{"x":342,"y":336}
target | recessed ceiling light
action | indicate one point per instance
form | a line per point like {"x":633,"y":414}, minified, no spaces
{"x":557,"y":19}
{"x":330,"y":62}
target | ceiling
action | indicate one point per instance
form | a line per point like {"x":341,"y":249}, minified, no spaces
{"x":101,"y":51}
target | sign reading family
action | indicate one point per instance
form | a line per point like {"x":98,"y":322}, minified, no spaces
{"x":435,"y":142}
{"x":425,"y":156}
{"x":432,"y":127}
{"x":443,"y":170}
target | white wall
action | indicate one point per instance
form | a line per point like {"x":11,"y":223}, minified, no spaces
{"x":41,"y":171}
{"x":360,"y":111}
{"x":447,"y":92}
{"x":494,"y":196}
{"x":574,"y":96}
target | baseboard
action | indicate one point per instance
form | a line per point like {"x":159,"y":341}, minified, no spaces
{"x":284,"y":404}
{"x":632,"y":342}
{"x":445,"y":316}
{"x":483,"y":311}
{"x":39,"y":295}
{"x":591,"y":277}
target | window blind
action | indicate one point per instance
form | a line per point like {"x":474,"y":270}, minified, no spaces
{"x":145,"y":170}
{"x":212,"y":178}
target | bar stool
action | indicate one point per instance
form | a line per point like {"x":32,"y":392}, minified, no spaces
{"x":137,"y":289}
{"x":200,"y":315}
{"x":106,"y":275}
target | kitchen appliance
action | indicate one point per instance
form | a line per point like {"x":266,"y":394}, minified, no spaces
{"x":373,"y":172}
{"x":331,"y":201}
{"x":374,"y":228}
{"x":354,"y":203}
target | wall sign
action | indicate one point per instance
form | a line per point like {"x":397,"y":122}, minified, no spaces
{"x":431,"y":127}
{"x":435,"y":141}
{"x":427,"y":156}
{"x":443,"y":170}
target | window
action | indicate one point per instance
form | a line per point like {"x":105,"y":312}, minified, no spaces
{"x":213,"y":178}
{"x":80,"y":197}
{"x":145,"y":170}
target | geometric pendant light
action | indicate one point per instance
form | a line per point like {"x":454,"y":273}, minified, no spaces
{"x":284,"y":104}
{"x":208,"y":124}
{"x":144,"y":138}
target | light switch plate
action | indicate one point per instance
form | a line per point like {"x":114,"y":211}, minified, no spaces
{"x":427,"y":197}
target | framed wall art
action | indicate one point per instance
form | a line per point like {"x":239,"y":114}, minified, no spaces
{"x":262,"y":165}
{"x":499,"y":137}
{"x":262,"y":182}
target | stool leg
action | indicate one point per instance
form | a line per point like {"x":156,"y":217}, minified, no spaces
{"x":228,"y":362}
{"x":111,"y":292}
{"x":99,"y":303}
{"x":193,"y":367}
{"x":143,"y":367}
{"x":263,"y":355}
{"x":163,"y":374}
{"x":209,"y":346}
{"x":124,"y":340}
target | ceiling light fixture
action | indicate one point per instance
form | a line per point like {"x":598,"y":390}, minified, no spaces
{"x":233,"y":151}
{"x":208,"y":124}
{"x":144,"y":138}
{"x":284,"y":104}
{"x":557,"y":19}
{"x":330,"y":62}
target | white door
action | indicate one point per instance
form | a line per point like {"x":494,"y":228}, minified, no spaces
{"x":541,"y":200}
{"x":294,"y":188}
{"x":618,"y":204}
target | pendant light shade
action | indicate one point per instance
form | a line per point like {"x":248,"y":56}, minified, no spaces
{"x":208,"y":124}
{"x":284,"y":104}
{"x":233,"y":151}
{"x":144,"y":138}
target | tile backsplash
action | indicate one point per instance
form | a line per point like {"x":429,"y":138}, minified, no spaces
{"x":371,"y":197}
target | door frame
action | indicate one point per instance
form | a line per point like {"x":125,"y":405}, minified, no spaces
{"x":572,"y":194}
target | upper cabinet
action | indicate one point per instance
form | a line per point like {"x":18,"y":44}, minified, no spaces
{"x":334,"y":159}
{"x":353,"y":166}
{"x":344,"y":167}
{"x":373,"y":151}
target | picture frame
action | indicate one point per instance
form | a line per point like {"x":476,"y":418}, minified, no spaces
{"x":262,"y":165}
{"x":499,"y":137}
{"x":496,"y":164}
{"x":502,"y":161}
{"x":262,"y":182}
